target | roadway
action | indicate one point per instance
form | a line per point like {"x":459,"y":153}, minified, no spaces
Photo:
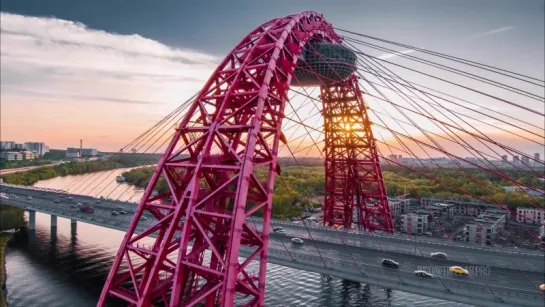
{"x":532,"y":261}
{"x":362,"y":252}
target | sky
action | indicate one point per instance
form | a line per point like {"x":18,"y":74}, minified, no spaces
{"x":105,"y":71}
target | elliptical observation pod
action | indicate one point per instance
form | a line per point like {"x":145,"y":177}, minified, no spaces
{"x":323,"y":63}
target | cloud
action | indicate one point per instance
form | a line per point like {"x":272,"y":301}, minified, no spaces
{"x":393,"y":55}
{"x":65,"y":63}
{"x":499,"y":30}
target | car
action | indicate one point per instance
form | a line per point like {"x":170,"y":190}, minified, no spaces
{"x":115,"y":213}
{"x":438,"y":255}
{"x":98,"y":201}
{"x":120,"y":208}
{"x":423,"y":274}
{"x":281,"y":231}
{"x":123,"y":212}
{"x":30,"y":197}
{"x":61,"y":195}
{"x":458,"y":270}
{"x":70,"y":198}
{"x":297,"y":241}
{"x":390,"y":263}
{"x":144,"y":218}
{"x":73,"y":206}
{"x":57,"y":201}
{"x":276,"y":229}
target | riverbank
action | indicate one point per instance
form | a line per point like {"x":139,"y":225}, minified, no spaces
{"x":24,"y":168}
{"x":10,"y":218}
{"x":4,"y":238}
{"x":32,"y":176}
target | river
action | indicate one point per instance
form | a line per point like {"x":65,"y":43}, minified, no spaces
{"x":65,"y":269}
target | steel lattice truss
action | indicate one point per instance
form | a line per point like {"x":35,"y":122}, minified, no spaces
{"x":353,"y":173}
{"x":232,"y":131}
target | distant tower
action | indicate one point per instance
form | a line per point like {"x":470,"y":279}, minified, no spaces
{"x":81,"y":148}
{"x":516,"y":160}
{"x":537,"y":161}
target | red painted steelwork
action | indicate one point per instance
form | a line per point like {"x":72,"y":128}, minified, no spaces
{"x":353,"y":173}
{"x":230,"y":133}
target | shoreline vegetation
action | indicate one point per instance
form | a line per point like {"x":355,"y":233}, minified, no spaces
{"x":10,"y":218}
{"x":4,"y":238}
{"x":30,"y":177}
{"x":302,"y":181}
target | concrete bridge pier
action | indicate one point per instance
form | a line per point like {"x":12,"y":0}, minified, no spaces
{"x":31,"y":220}
{"x":73,"y":226}
{"x":53,"y":221}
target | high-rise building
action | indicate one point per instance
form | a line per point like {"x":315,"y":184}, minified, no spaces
{"x":72,"y":152}
{"x":534,"y":216}
{"x":89,"y":152}
{"x":516,"y":160}
{"x":415,"y":223}
{"x":38,"y":148}
{"x":537,"y":160}
{"x":11,"y":156}
{"x":7,"y":145}
{"x":485,"y":228}
{"x":504,"y":158}
{"x":392,"y":158}
{"x":525,"y":160}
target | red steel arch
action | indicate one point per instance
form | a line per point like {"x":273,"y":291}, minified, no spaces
{"x":231,"y":131}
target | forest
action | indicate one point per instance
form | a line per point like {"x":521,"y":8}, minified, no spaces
{"x":299,"y":185}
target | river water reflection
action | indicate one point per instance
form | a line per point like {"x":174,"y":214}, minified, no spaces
{"x":65,"y":269}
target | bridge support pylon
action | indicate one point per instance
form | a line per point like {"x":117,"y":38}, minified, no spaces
{"x":31,"y":220}
{"x":53,"y":221}
{"x":73,"y":226}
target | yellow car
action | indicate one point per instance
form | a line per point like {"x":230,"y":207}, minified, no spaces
{"x":458,"y":270}
{"x":542,"y":287}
